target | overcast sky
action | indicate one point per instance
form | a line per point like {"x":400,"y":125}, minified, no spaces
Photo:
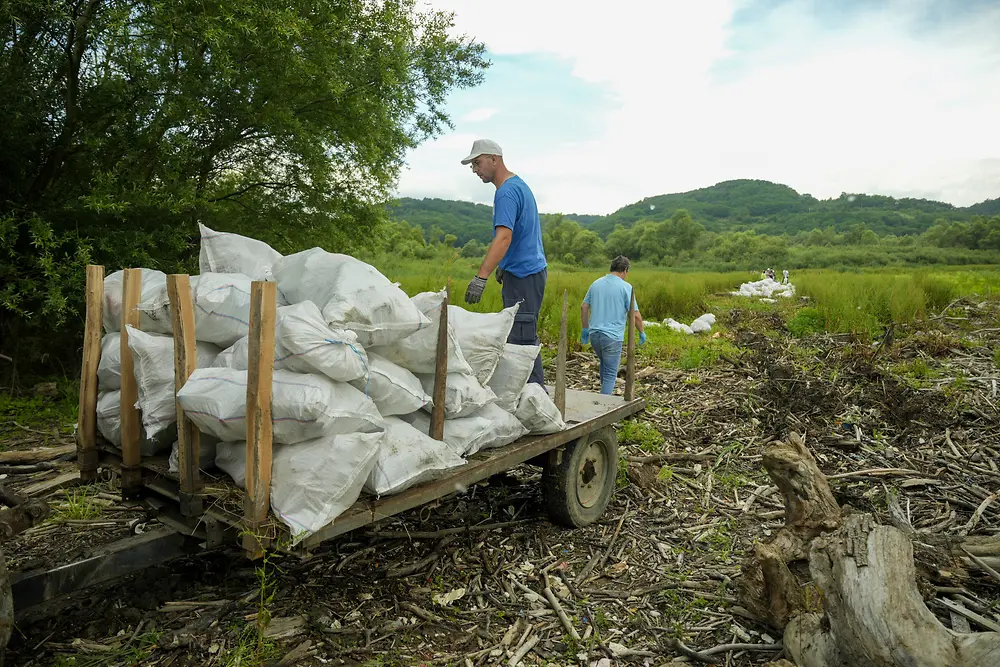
{"x":597,"y":105}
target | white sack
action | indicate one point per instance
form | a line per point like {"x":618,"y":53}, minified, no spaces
{"x":677,"y":326}
{"x":395,"y":390}
{"x":408,"y":457}
{"x":109,"y":371}
{"x":417,"y":353}
{"x":153,"y":282}
{"x":303,"y":406}
{"x":703,"y":323}
{"x":109,"y":425}
{"x":487,"y":428}
{"x":352,"y":295}
{"x":153,"y":366}
{"x":516,"y":364}
{"x":303,"y":338}
{"x":222,"y":252}
{"x":463,"y":394}
{"x":221,"y":308}
{"x":537,"y":411}
{"x":206,"y":454}
{"x":312,"y":482}
{"x":481,"y":337}
{"x":765,"y":288}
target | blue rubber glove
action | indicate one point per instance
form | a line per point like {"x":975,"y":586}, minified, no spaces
{"x":585,"y":335}
{"x":642,"y":338}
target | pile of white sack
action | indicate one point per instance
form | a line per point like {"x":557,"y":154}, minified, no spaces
{"x":354,"y":371}
{"x":765,"y":288}
{"x":702,"y":324}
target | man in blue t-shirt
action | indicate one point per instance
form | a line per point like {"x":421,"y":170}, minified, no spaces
{"x":516,"y":250}
{"x":604,"y":314}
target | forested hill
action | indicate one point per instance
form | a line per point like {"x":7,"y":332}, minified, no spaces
{"x":767,"y":208}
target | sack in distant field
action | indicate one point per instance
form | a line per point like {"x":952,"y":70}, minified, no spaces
{"x":417,"y":353}
{"x":153,"y":366}
{"x":206,"y":454}
{"x":408,"y":457}
{"x":109,"y":371}
{"x":304,"y":339}
{"x":303,"y":406}
{"x":109,"y":425}
{"x":516,"y":364}
{"x":463,"y":394}
{"x":537,"y":411}
{"x":486,"y":428}
{"x":222,"y":252}
{"x":352,"y":295}
{"x":395,"y":390}
{"x":221,"y":308}
{"x":312,"y":482}
{"x":481,"y":337}
{"x":153,"y":282}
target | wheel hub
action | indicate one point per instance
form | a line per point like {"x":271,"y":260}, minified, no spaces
{"x":591,"y":474}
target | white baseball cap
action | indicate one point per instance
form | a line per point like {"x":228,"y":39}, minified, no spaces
{"x":483,"y":147}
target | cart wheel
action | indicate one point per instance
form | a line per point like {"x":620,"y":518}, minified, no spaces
{"x":578,"y":489}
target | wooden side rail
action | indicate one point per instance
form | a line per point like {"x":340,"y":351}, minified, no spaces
{"x":185,"y":361}
{"x":86,"y":420}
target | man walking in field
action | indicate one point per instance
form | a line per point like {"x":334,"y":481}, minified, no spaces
{"x":604,"y":314}
{"x":516,"y":250}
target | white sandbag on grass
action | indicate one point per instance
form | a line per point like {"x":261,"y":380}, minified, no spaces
{"x":703,"y":323}
{"x":153,"y":366}
{"x":481,"y":337}
{"x":408,"y":457}
{"x":487,"y":428}
{"x":109,"y":371}
{"x":153,"y":282}
{"x":222,"y":252}
{"x":417,"y":353}
{"x":463,"y":394}
{"x":109,"y":425}
{"x":516,"y":364}
{"x":395,"y":390}
{"x":351,"y":294}
{"x":303,"y":338}
{"x":221,"y":308}
{"x":767,"y":287}
{"x":677,"y":326}
{"x":537,"y":411}
{"x":303,"y":406}
{"x":206,"y":454}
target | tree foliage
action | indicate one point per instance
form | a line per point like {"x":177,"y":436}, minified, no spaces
{"x":127,"y":121}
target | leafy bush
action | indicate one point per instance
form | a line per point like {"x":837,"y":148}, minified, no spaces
{"x":806,"y":321}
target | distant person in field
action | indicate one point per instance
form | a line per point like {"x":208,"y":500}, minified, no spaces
{"x":516,"y":250}
{"x":784,"y":280}
{"x":604,"y":314}
{"x":770,"y":273}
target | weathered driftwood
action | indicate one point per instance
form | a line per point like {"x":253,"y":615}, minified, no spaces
{"x":862,"y":605}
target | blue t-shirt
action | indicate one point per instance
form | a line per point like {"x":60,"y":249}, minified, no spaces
{"x":514,"y":207}
{"x":609,"y":298}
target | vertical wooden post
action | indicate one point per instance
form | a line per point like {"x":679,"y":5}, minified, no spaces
{"x":86,"y":420}
{"x":630,"y":361}
{"x":259,"y":376}
{"x":561,"y":358}
{"x":131,"y":426}
{"x":440,"y":373}
{"x":185,"y":361}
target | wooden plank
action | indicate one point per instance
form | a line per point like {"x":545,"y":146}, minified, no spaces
{"x":60,"y":481}
{"x":259,"y":376}
{"x":185,"y":361}
{"x":440,"y":373}
{"x":24,"y":456}
{"x":86,"y":421}
{"x":630,"y":360}
{"x":561,"y":358}
{"x":130,"y":430}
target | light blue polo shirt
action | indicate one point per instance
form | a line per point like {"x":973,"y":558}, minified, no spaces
{"x":609,"y":298}
{"x":514,"y":208}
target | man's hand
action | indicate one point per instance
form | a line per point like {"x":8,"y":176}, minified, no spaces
{"x":499,"y":274}
{"x":475,"y":290}
{"x":585,"y":335}
{"x":642,"y":338}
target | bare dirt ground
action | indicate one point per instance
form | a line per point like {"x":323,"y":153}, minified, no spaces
{"x":483,"y":578}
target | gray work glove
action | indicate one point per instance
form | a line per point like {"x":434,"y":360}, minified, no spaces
{"x":499,"y":274}
{"x":475,"y":290}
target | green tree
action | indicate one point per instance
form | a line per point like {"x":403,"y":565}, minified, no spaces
{"x":126,"y":122}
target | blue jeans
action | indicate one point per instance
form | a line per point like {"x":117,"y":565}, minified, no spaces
{"x":609,"y":353}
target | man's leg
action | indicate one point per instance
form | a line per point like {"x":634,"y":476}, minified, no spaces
{"x":529,"y":292}
{"x":612,"y":360}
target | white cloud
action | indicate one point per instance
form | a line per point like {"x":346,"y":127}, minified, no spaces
{"x":478,"y":115}
{"x":866,"y":106}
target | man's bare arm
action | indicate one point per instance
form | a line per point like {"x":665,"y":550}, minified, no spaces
{"x":585,"y":315}
{"x":496,"y":251}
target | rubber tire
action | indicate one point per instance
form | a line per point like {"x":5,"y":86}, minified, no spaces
{"x":559,"y":482}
